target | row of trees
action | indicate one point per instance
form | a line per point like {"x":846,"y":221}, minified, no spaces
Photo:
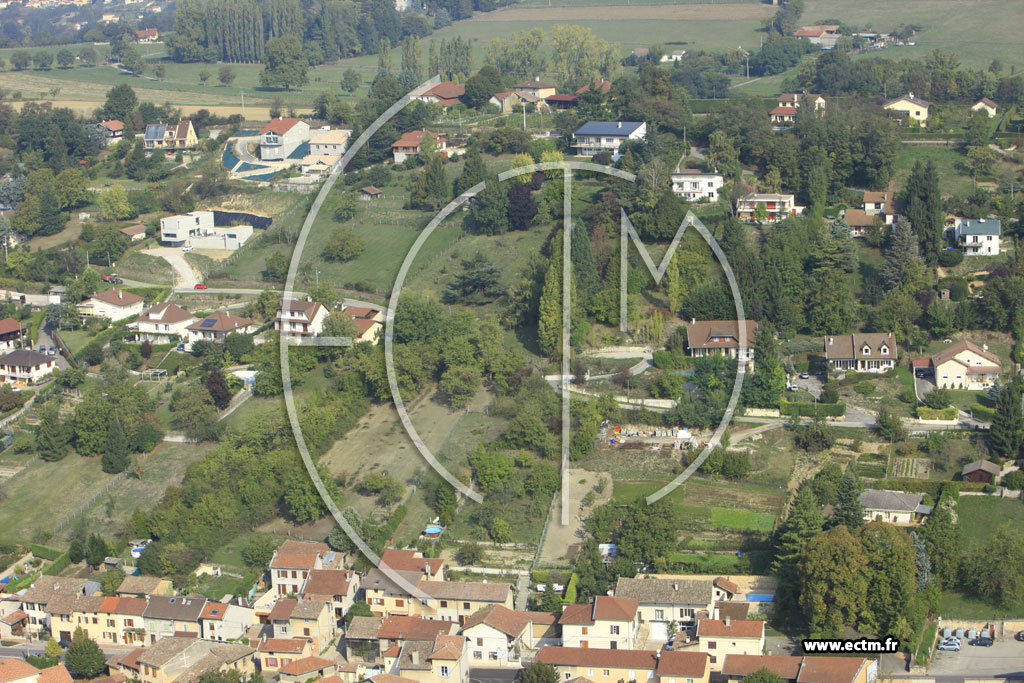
{"x":241,"y":30}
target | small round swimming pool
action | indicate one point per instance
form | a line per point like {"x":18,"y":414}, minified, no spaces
{"x":432,"y":529}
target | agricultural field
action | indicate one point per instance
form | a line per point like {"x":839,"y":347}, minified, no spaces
{"x":946,"y":24}
{"x":695,"y":26}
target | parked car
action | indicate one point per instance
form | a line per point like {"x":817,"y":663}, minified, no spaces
{"x":949,"y":644}
{"x":187,"y":247}
{"x":42,"y":348}
{"x":1019,"y":636}
{"x":805,"y":375}
{"x":52,"y":351}
{"x":983,"y":641}
{"x":200,"y":285}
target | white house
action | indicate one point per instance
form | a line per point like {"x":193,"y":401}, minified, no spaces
{"x":114,"y":304}
{"x":197,"y":229}
{"x":595,"y":137}
{"x":662,"y":601}
{"x":862,"y":351}
{"x":408,"y":145}
{"x":722,"y":637}
{"x":331,"y":142}
{"x":965,"y":365}
{"x":297,"y":319}
{"x":164,"y":323}
{"x":25,"y":367}
{"x":894,"y":507}
{"x":218,"y":325}
{"x":776,"y":206}
{"x":978,"y":236}
{"x":986,"y":105}
{"x":281,"y":137}
{"x":608,"y":622}
{"x":497,"y":636}
{"x":696,"y":185}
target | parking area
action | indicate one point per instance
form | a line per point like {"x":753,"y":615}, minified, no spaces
{"x":1004,"y":658}
{"x":812,"y":384}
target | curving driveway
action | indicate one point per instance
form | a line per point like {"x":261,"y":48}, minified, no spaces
{"x":184,"y":276}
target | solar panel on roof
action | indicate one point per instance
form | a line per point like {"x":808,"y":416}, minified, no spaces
{"x":209,"y":322}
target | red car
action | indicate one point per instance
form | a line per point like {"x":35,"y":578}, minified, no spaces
{"x":200,"y":285}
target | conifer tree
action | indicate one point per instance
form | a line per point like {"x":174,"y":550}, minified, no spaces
{"x":115,"y":454}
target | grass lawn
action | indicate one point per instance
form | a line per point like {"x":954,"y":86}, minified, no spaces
{"x":43,"y":495}
{"x":76,"y":340}
{"x":161,"y":469}
{"x":985,"y":515}
{"x":957,"y":605}
{"x":742,"y":519}
{"x":946,"y":24}
{"x":135,"y":265}
{"x":946,"y":159}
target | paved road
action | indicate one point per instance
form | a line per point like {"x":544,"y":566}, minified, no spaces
{"x":44,"y":338}
{"x":185,"y":276}
{"x":241,"y":151}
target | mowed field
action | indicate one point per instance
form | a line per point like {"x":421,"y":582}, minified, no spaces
{"x":980,"y":30}
{"x":61,"y":488}
{"x":705,"y":26}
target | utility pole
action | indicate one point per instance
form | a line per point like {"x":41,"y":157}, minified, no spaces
{"x":1013,"y":186}
{"x":524,"y":114}
{"x":242,"y":93}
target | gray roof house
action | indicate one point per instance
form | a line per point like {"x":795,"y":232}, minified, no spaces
{"x":978,"y":236}
{"x":594,"y":137}
{"x":664,"y":600}
{"x":895,"y":507}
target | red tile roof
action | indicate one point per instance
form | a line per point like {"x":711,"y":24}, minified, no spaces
{"x":675,"y":663}
{"x":280,"y":125}
{"x":830,"y":669}
{"x":576,"y":614}
{"x":306,"y":665}
{"x":783,"y":666}
{"x":402,"y":560}
{"x":510,"y":622}
{"x":413,"y":139}
{"x":608,"y":608}
{"x":735,"y":629}
{"x":225,"y":322}
{"x":446,"y":90}
{"x":602,"y":84}
{"x":214,"y":610}
{"x":8,"y":325}
{"x":328,"y":582}
{"x":580,"y":656}
{"x":55,"y":674}
{"x":117,"y":297}
{"x":12,"y":668}
{"x":726,"y":585}
{"x":112,"y":125}
{"x":294,"y":645}
{"x":400,"y":627}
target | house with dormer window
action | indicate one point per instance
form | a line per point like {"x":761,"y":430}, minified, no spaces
{"x":708,"y":337}
{"x":863,"y":352}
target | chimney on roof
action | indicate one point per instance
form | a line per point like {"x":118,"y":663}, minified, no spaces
{"x":620,"y":124}
{"x":693,"y":321}
{"x":414,"y":657}
{"x":728,"y":622}
{"x":831,"y":340}
{"x":536,"y":79}
{"x":984,"y":347}
{"x":675,"y":586}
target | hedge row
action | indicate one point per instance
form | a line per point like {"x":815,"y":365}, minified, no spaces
{"x":388,"y":530}
{"x":569,"y":597}
{"x":932,"y":488}
{"x":45,"y":552}
{"x":810,"y":409}
{"x":58,"y":565}
{"x":983,"y":413}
